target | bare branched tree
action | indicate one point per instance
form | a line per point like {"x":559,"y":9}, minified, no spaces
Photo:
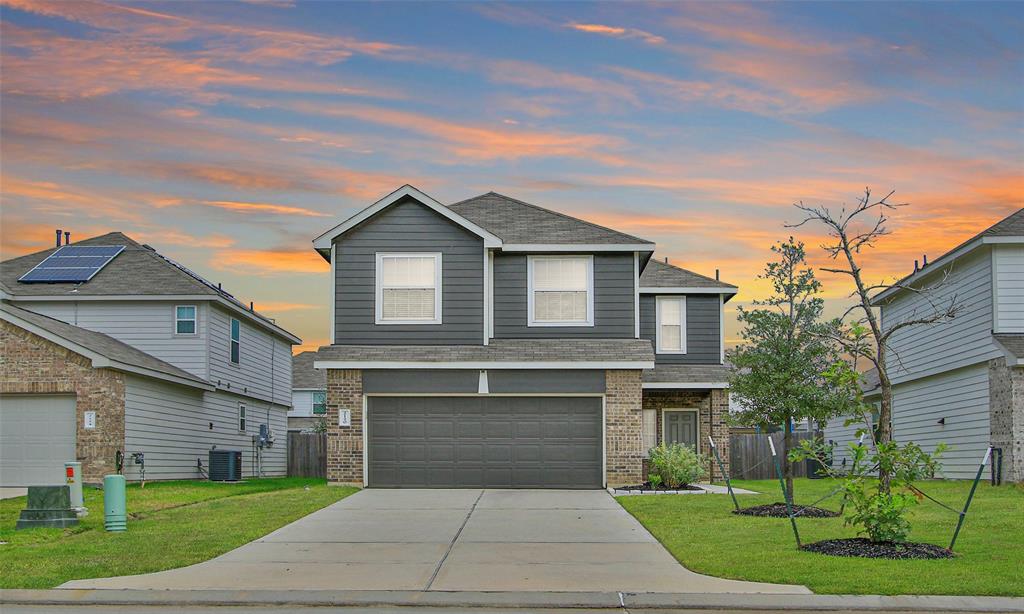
{"x":850,"y":231}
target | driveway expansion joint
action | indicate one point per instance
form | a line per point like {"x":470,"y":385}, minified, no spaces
{"x":451,"y":545}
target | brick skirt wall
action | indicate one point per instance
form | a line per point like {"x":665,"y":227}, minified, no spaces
{"x":345,"y":443}
{"x":30,"y":364}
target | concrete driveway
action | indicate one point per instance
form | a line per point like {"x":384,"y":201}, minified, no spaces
{"x":452,"y":540}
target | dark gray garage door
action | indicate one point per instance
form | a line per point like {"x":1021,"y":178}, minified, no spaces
{"x":493,"y":442}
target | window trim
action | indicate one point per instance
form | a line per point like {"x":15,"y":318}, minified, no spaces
{"x":194,"y":320}
{"x":378,"y":281}
{"x":682,"y":324}
{"x":232,"y":341}
{"x":242,"y":418}
{"x":530,"y":292}
{"x":312,"y":403}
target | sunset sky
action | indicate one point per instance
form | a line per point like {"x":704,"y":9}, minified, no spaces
{"x":229,"y":134}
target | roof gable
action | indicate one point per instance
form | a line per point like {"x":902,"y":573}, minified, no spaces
{"x":323,"y":243}
{"x":659,"y":274}
{"x":521,"y":223}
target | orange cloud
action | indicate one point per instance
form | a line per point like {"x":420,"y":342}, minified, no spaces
{"x":617,"y":32}
{"x":535,"y":76}
{"x":244,"y":207}
{"x":269,"y":261}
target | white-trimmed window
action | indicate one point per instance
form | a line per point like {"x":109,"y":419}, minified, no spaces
{"x":236,"y":341}
{"x":671,"y":323}
{"x":561,"y":290}
{"x":408,"y":288}
{"x":241,"y":417}
{"x":185,"y":320}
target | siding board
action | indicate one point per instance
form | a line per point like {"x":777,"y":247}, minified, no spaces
{"x":702,"y":329}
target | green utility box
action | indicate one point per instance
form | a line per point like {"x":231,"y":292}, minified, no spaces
{"x":48,"y":506}
{"x":115,"y":506}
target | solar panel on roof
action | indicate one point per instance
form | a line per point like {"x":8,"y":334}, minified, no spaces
{"x":72,"y":263}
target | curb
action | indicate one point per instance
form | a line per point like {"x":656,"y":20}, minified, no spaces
{"x":640,"y":601}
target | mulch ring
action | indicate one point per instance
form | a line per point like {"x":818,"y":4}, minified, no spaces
{"x":863,"y":547}
{"x":646,"y":486}
{"x":778,"y":510}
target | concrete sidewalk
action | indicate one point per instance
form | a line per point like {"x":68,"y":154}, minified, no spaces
{"x":452,"y":540}
{"x":496,"y":602}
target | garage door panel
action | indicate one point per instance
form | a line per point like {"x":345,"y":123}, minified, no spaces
{"x":529,"y":442}
{"x":37,"y":436}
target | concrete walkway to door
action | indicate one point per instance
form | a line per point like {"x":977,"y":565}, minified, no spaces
{"x":452,"y":540}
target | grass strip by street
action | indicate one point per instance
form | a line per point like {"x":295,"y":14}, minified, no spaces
{"x":171,"y":524}
{"x":703,"y":534}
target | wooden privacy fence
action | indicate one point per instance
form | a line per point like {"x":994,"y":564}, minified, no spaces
{"x":307,"y":455}
{"x":750,"y":455}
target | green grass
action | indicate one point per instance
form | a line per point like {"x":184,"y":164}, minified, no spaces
{"x":171,"y":524}
{"x":704,"y":536}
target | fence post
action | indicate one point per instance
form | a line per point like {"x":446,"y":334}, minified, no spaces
{"x":728,"y":482}
{"x":785,"y":493}
{"x":970,"y":496}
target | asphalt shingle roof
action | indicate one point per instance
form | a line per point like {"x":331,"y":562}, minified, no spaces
{"x":499,"y":350}
{"x":515,"y":221}
{"x":101,"y":344}
{"x":1014,"y":343}
{"x":304,"y":376}
{"x":659,"y":274}
{"x":687,"y":374}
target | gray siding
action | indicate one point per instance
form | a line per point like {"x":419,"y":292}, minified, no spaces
{"x":1009,"y":278}
{"x":170,"y":424}
{"x":523,"y":381}
{"x":146,"y":325}
{"x":409,"y":227}
{"x":265,"y":368}
{"x":843,"y":436}
{"x":703,"y":329}
{"x":421,"y":380}
{"x":613,"y":300}
{"x":920,"y":351}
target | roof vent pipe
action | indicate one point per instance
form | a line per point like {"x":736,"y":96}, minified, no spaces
{"x":916,"y":267}
{"x":925,"y":261}
{"x":251,"y":306}
{"x":666,"y":259}
{"x":67,"y":237}
{"x":58,"y":237}
{"x":716,"y":275}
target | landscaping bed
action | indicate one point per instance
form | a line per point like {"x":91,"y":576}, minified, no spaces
{"x":173,"y":524}
{"x":779,"y":510}
{"x":863,"y":547}
{"x":647,"y":487}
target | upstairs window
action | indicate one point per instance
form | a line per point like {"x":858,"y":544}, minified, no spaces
{"x":408,"y":289}
{"x":236,"y":341}
{"x":671,"y":324}
{"x":319,"y":403}
{"x":241,"y":417}
{"x":185,"y":320}
{"x":561,"y":290}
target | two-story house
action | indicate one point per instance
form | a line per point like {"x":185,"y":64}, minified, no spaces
{"x":110,"y":350}
{"x":495,"y":343}
{"x":961,"y":381}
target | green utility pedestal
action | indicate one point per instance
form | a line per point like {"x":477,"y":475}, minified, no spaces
{"x":48,"y":506}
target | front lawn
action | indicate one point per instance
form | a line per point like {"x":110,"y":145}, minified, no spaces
{"x":705,"y":537}
{"x":170,"y":524}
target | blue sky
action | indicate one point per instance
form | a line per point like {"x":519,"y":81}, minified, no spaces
{"x":229,"y":134}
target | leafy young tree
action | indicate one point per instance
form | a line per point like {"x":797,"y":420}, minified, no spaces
{"x":786,"y":348}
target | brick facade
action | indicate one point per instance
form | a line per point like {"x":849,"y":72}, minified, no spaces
{"x":345,"y":443}
{"x":712,"y":406}
{"x":624,"y":450}
{"x":30,"y":364}
{"x":1006,"y":416}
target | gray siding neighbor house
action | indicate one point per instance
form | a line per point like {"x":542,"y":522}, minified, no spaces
{"x":309,"y":393}
{"x":142,"y":357}
{"x":495,"y":343}
{"x":961,"y":382}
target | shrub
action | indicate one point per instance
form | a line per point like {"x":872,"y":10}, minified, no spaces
{"x":676,"y":465}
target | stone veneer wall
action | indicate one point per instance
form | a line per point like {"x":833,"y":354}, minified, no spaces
{"x":30,"y":364}
{"x":624,"y":453}
{"x":1006,"y":416}
{"x":713,"y":406}
{"x":345,"y":443}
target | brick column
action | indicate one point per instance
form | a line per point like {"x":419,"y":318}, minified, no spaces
{"x":719,"y":427}
{"x":345,"y":443}
{"x":623,"y":424}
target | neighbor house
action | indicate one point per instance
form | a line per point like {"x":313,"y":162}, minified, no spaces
{"x":496,"y":343}
{"x":110,"y":351}
{"x":961,"y":381}
{"x":309,"y":393}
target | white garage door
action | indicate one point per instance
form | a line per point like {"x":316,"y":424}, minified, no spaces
{"x":37,"y":436}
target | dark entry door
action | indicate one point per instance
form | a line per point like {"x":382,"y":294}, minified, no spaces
{"x":477,"y":442}
{"x":681,"y":427}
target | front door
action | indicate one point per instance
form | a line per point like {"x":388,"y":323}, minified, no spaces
{"x":681,"y":428}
